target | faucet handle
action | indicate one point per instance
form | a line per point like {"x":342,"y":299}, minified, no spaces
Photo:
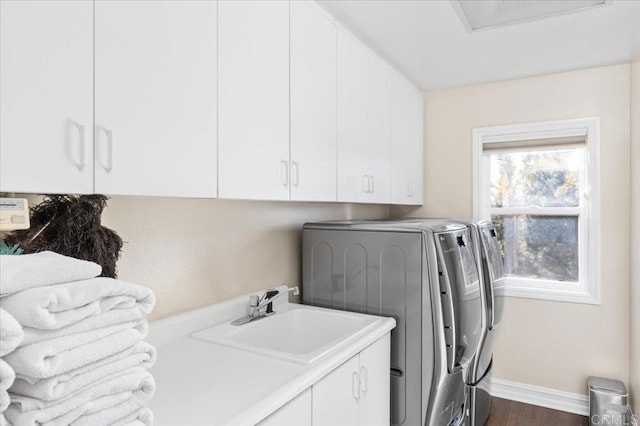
{"x":270,"y":294}
{"x":254,"y":300}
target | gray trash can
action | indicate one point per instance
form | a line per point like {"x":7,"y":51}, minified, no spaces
{"x":607,"y":402}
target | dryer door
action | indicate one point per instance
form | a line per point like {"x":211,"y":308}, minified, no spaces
{"x":460,"y":295}
{"x":494,"y":272}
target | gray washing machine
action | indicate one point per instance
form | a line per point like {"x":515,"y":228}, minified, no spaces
{"x":490,"y":264}
{"x":425,"y":276}
{"x":492,"y":278}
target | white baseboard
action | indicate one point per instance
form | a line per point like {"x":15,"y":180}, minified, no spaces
{"x":543,"y":397}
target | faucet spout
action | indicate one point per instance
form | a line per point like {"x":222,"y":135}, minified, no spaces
{"x":257,"y":305}
{"x":272,"y":295}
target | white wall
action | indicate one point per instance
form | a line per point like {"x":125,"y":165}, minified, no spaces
{"x":195,"y":252}
{"x":551,"y":344}
{"x":635,"y":234}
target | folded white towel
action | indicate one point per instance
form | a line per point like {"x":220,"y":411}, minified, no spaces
{"x":102,"y":404}
{"x":126,"y":413}
{"x":60,"y":305}
{"x":25,"y":271}
{"x":7,"y":376}
{"x":52,"y":357}
{"x":142,"y":417}
{"x":140,"y":355}
{"x":109,"y":318}
{"x":11,"y":333}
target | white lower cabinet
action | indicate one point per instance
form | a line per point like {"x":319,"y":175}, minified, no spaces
{"x":296,"y":412}
{"x":357,"y":392}
{"x":335,"y":396}
{"x":375,"y":383}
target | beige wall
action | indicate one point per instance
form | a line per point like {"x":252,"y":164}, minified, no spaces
{"x":635,"y":234}
{"x":544,"y":343}
{"x":195,"y":252}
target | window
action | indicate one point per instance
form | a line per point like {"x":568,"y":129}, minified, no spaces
{"x":539,"y":185}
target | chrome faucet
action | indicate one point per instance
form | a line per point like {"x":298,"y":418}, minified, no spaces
{"x":262,"y":307}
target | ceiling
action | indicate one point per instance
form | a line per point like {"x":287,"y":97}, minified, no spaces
{"x":427,"y":41}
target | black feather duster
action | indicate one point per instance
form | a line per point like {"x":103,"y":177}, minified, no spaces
{"x":71,"y":225}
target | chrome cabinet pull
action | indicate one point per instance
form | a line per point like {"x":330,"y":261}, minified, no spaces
{"x":367,"y":184}
{"x":285,"y":172}
{"x":410,"y":189}
{"x":82,"y":161}
{"x":364,"y":377}
{"x":109,"y":134}
{"x":295,"y":174}
{"x":355,"y":385}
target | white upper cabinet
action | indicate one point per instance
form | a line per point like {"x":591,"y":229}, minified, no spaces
{"x":406,"y":143}
{"x":46,"y":96}
{"x":364,"y":123}
{"x":253,"y":102}
{"x":155,"y":98}
{"x":266,"y":100}
{"x":313,"y":104}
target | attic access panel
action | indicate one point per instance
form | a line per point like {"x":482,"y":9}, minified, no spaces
{"x":478,"y":15}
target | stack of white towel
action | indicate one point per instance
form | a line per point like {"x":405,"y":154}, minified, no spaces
{"x":10,"y":337}
{"x":82,"y":360}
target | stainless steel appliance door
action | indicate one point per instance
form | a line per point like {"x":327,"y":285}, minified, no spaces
{"x":460,"y":295}
{"x":492,"y":258}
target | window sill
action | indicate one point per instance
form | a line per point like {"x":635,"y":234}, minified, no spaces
{"x":570,"y":296}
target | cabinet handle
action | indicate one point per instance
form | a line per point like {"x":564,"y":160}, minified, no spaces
{"x":364,"y":377}
{"x":81,"y":145}
{"x":355,"y":385}
{"x":284,"y":168}
{"x":367,"y":183}
{"x":109,"y":134}
{"x":295,"y":174}
{"x":409,"y":189}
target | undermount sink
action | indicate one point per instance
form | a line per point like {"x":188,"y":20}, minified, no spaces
{"x":301,"y":333}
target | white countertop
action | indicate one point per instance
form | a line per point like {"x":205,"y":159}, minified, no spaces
{"x":203,"y":383}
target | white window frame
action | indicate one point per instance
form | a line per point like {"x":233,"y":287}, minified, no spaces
{"x":587,"y":289}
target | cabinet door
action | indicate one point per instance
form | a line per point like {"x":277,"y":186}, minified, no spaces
{"x":375,"y":383}
{"x":313,"y":104}
{"x":297,"y":412}
{"x":155,"y":97}
{"x":253,"y":99}
{"x":364,"y":123}
{"x":46,"y":107}
{"x":406,"y":143}
{"x":335,"y":400}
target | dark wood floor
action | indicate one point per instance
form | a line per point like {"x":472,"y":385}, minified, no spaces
{"x":511,"y":413}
